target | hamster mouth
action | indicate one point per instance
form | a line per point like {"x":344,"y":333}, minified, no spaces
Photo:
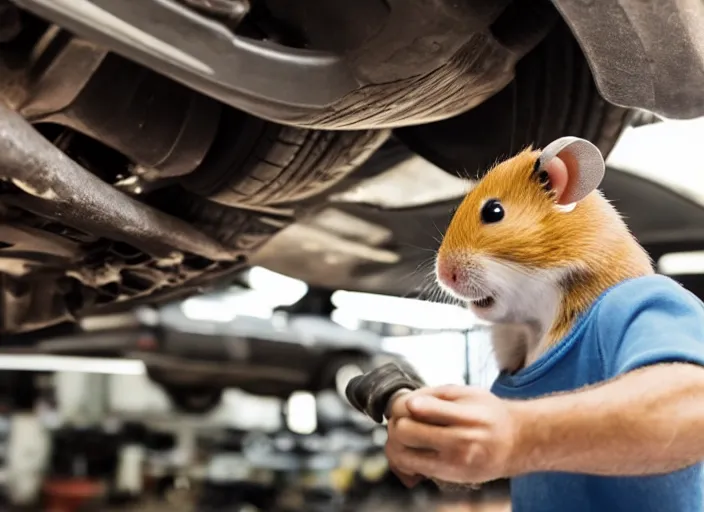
{"x":483,"y":303}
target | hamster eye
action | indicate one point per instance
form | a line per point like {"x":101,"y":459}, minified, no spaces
{"x":492,"y":211}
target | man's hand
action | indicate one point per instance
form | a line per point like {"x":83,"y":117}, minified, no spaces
{"x":646,"y":422}
{"x":399,"y":410}
{"x":456,"y":434}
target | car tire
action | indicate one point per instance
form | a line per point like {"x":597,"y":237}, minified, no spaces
{"x":553,"y":95}
{"x":259,"y":163}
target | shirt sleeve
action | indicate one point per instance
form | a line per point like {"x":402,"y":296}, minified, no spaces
{"x":660,"y":322}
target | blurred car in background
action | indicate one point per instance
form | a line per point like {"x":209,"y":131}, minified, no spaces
{"x":194,"y":361}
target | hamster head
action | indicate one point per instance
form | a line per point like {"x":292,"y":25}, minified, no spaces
{"x":535,"y":232}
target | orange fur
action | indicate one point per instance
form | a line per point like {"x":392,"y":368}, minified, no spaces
{"x":592,"y":242}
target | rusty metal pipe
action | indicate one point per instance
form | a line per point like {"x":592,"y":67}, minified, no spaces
{"x":60,"y":189}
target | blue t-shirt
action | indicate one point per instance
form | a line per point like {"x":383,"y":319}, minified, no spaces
{"x":639,"y":322}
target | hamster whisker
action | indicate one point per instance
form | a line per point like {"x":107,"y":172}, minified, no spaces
{"x":419,"y":248}
{"x":440,"y":232}
{"x":427,"y":290}
{"x":427,"y":267}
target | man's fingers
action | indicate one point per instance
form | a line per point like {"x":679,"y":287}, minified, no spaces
{"x":409,"y":481}
{"x":398,"y":407}
{"x":395,"y":454}
{"x":408,"y":461}
{"x":448,"y":392}
{"x":416,"y":462}
{"x":429,"y":409}
{"x":423,"y":436}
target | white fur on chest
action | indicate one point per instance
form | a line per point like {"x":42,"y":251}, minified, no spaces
{"x":527,"y":304}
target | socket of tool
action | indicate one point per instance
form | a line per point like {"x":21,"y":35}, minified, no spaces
{"x":373,"y":393}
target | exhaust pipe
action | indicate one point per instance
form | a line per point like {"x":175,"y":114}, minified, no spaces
{"x":60,"y":189}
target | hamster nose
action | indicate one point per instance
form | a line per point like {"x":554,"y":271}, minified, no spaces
{"x":447,"y":272}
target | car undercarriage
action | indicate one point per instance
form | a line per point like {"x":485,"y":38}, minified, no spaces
{"x":151,"y":149}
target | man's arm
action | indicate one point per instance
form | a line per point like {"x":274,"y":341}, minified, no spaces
{"x":647,"y":417}
{"x":645,"y":422}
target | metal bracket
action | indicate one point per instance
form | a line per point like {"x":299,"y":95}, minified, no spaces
{"x":430,"y":60}
{"x":202,"y":53}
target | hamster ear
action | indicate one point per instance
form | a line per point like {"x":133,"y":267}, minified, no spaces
{"x":575,"y":168}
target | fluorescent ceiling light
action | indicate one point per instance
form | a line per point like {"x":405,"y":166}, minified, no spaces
{"x":345,"y":318}
{"x":282,"y":289}
{"x":206,"y":309}
{"x":225,"y":307}
{"x":438,"y":358}
{"x":410,"y":312}
{"x":663,"y":153}
{"x":679,"y":263}
{"x":302,"y":413}
{"x":46,"y":363}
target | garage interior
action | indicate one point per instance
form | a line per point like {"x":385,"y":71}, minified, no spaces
{"x":215,"y":214}
{"x":234,"y":399}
